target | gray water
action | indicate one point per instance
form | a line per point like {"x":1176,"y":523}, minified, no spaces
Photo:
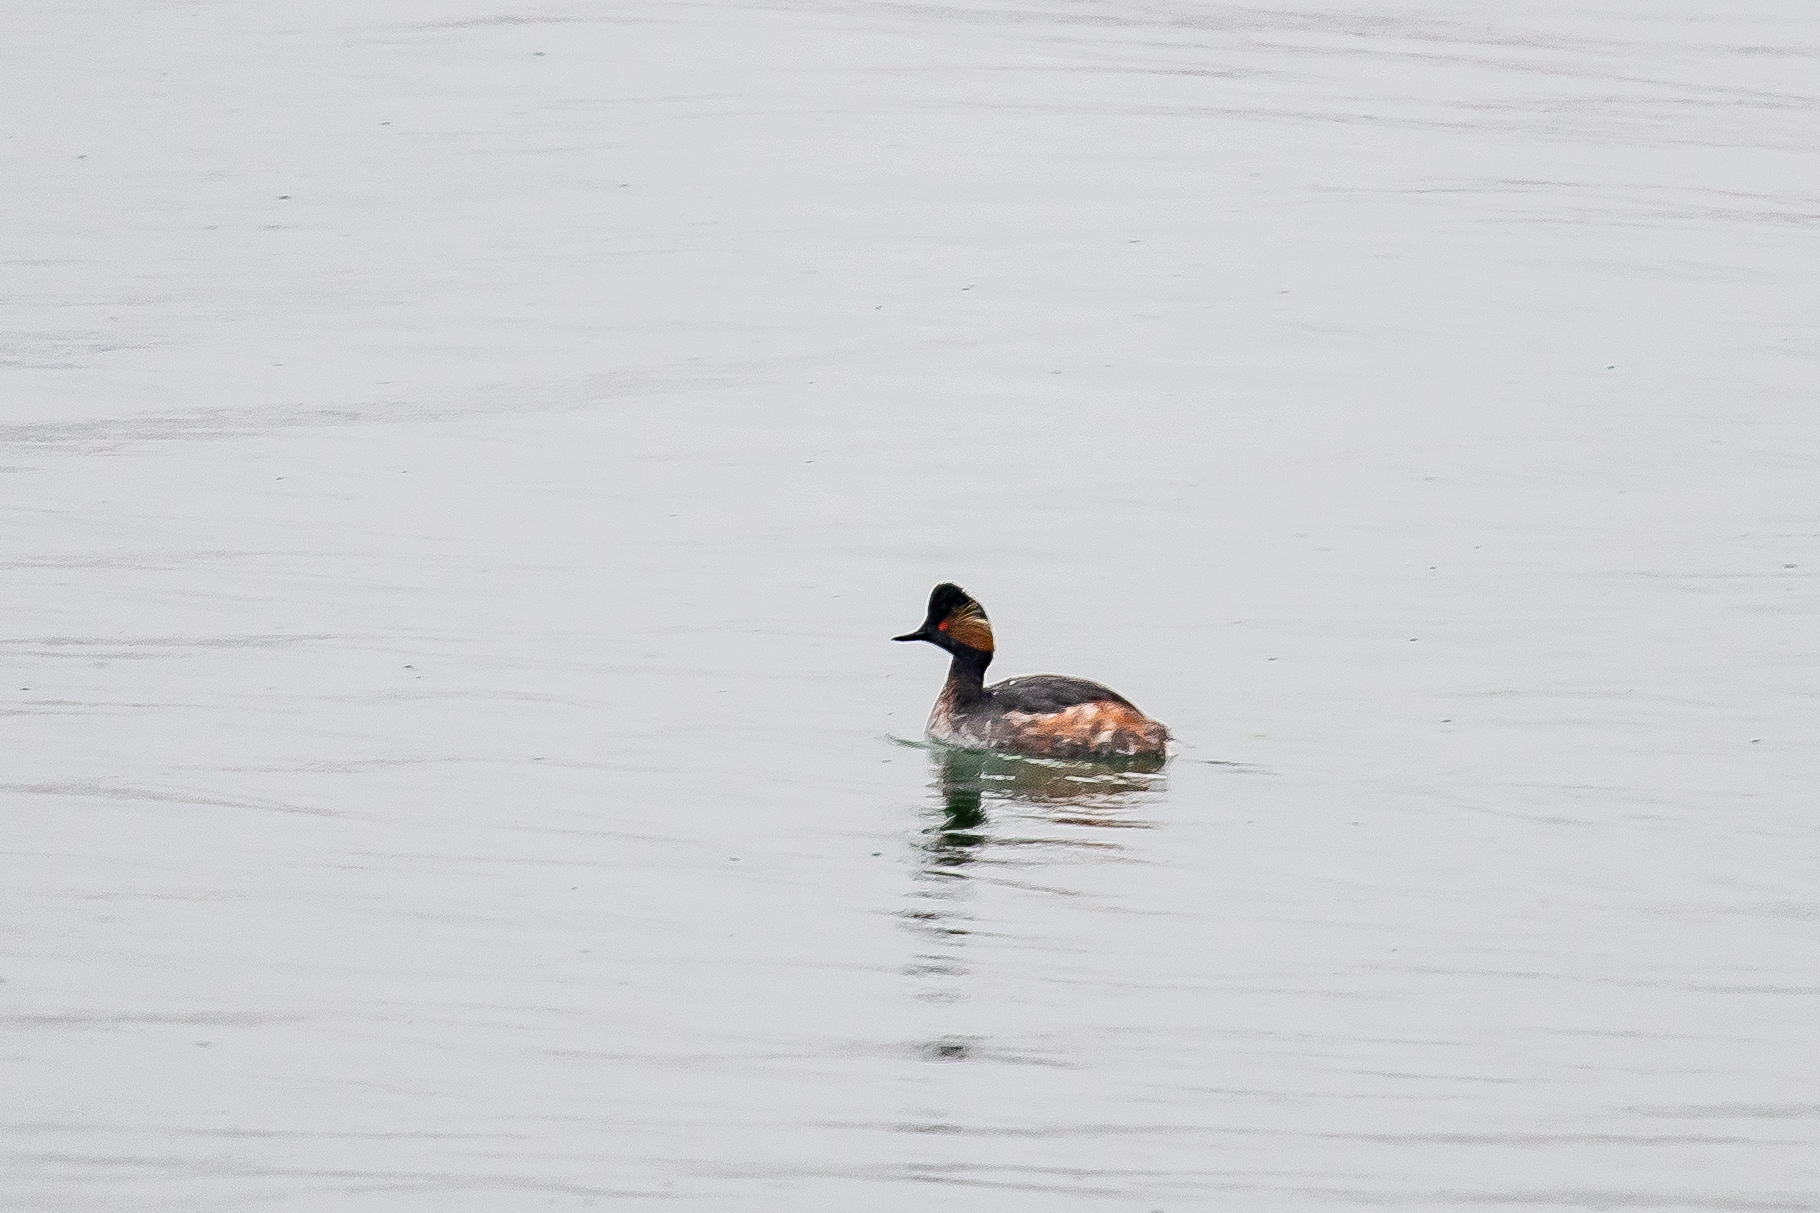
{"x":462,"y":467}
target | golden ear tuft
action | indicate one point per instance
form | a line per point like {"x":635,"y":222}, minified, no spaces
{"x":968,"y":625}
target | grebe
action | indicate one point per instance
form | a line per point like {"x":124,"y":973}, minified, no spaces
{"x":1041,"y":716}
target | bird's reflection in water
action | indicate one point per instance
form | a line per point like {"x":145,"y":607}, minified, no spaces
{"x":996,"y":817}
{"x":953,"y":841}
{"x":1065,"y":793}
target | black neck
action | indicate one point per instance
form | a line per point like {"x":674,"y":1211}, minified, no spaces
{"x":967,"y":673}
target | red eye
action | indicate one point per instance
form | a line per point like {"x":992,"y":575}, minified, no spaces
{"x":942,"y":626}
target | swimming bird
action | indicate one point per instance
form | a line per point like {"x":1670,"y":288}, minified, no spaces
{"x":1040,"y":715}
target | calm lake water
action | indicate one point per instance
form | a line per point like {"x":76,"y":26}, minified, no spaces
{"x":462,"y":467}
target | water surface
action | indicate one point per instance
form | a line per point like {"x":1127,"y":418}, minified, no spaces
{"x":462,"y":466}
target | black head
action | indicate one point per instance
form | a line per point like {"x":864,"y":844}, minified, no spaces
{"x":954,"y":620}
